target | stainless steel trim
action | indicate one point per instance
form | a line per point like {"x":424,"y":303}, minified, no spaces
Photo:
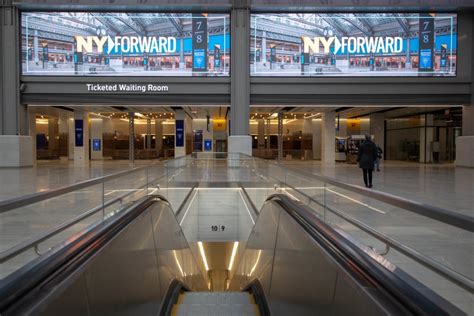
{"x":20,"y":248}
{"x":462,"y":221}
{"x":426,"y":261}
{"x":14,"y":203}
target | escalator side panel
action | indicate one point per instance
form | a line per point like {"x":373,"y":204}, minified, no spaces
{"x":71,"y":302}
{"x":175,"y":258}
{"x":127,"y":274}
{"x":124,"y":279}
{"x":303,"y":275}
{"x":257,"y":259}
{"x":299,"y":276}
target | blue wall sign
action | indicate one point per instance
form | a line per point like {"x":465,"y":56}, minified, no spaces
{"x":79,"y":133}
{"x":208,"y":145}
{"x":179,"y":133}
{"x":96,"y":144}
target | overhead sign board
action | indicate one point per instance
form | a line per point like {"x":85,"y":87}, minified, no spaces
{"x":353,"y":44}
{"x":126,"y":87}
{"x":125,"y":44}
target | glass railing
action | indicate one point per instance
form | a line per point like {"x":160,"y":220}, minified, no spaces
{"x":31,"y":225}
{"x":433,"y":245}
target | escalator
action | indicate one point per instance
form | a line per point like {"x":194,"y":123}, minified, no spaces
{"x":138,"y":262}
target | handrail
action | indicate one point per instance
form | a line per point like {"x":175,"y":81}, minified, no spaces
{"x":29,"y":243}
{"x":186,"y":198}
{"x":426,"y":261}
{"x":10,"y":204}
{"x":15,"y":286}
{"x":366,"y":265}
{"x":462,"y":221}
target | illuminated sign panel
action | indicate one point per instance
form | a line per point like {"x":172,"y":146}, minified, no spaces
{"x":362,"y":44}
{"x":127,"y":44}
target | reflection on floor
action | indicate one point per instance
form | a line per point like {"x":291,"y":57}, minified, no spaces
{"x":443,"y":185}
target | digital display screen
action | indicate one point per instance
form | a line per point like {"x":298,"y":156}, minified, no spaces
{"x":125,"y":44}
{"x":347,"y":44}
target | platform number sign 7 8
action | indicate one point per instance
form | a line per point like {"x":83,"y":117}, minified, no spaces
{"x":426,"y":32}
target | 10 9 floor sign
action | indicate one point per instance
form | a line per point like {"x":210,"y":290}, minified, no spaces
{"x":126,"y":87}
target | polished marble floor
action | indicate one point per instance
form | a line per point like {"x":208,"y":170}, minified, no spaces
{"x":442,"y":185}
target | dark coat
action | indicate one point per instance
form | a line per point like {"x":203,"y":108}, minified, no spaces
{"x":367,"y":155}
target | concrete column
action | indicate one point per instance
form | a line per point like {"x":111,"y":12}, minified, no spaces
{"x":180,"y":151}
{"x":408,"y":55}
{"x":148,"y":133}
{"x":97,"y":129}
{"x":131,"y":137}
{"x":32,"y":133}
{"x":426,"y":138}
{"x":465,"y":143}
{"x":239,"y":139}
{"x":159,"y":136}
{"x":15,"y":150}
{"x":280,"y":136}
{"x":36,"y":47}
{"x":71,"y":138}
{"x":81,"y":153}
{"x":264,"y":47}
{"x":53,"y":136}
{"x":316,"y":129}
{"x":261,"y":134}
{"x":63,"y":131}
{"x":377,"y":128}
{"x":268,"y":131}
{"x":328,"y":137}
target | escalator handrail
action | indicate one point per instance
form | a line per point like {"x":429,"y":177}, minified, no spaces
{"x":445,"y":216}
{"x":352,"y":256}
{"x":71,"y":255}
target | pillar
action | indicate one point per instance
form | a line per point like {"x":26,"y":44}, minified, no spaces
{"x":426,"y":138}
{"x":36,"y":47}
{"x":328,"y":137}
{"x":181,"y":53}
{"x":16,"y":145}
{"x":408,"y":53}
{"x":159,"y":137}
{"x":465,"y":143}
{"x":316,"y":129}
{"x":180,"y":134}
{"x":81,"y":148}
{"x":239,"y":139}
{"x":268,"y":132}
{"x":261,"y":134}
{"x":96,"y":131}
{"x":71,"y":138}
{"x":63,"y":131}
{"x":280,"y":135}
{"x":264,"y":47}
{"x":377,"y":129}
{"x":148,"y":133}
{"x":32,"y":133}
{"x":53,"y":136}
{"x":131,"y":137}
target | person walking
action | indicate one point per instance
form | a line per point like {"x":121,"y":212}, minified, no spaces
{"x":366,"y":159}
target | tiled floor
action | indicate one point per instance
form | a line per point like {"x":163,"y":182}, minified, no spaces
{"x":49,"y":174}
{"x":445,"y":186}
